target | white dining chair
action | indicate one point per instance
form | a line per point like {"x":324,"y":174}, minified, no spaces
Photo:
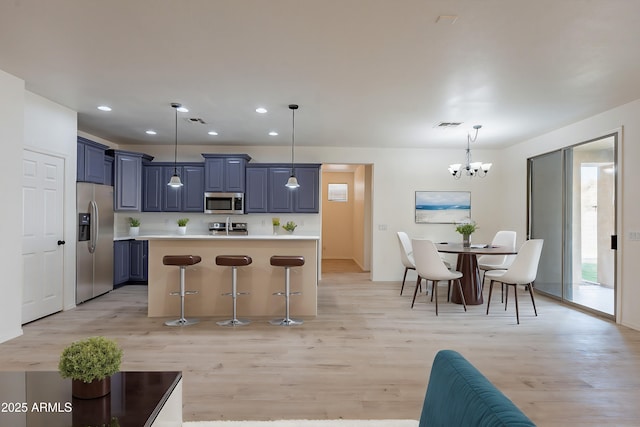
{"x":506,"y":239}
{"x":522,"y":271}
{"x":430,"y":266}
{"x":406,"y":255}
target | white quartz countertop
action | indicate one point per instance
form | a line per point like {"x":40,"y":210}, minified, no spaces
{"x":218,"y":237}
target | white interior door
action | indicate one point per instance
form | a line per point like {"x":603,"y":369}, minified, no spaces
{"x":42,"y":253}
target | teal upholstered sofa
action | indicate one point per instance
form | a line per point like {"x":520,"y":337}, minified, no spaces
{"x":459,"y":395}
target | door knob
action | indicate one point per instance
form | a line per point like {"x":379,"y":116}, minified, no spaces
{"x":61,"y":242}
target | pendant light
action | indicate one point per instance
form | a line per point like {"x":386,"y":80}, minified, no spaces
{"x":175,"y":182}
{"x":292,"y":183}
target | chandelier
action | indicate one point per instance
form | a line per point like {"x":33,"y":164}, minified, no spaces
{"x":470,"y":168}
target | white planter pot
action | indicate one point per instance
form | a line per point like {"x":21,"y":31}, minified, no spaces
{"x":134,"y":231}
{"x":182,"y":230}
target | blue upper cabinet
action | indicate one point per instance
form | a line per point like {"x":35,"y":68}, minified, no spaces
{"x":193,"y":190}
{"x":279,"y":197}
{"x":171,"y":196}
{"x":90,"y":161}
{"x":255,"y":196}
{"x":157,"y":196}
{"x":127,"y":175}
{"x":306,"y":198}
{"x":266,"y":190}
{"x":108,"y":170}
{"x":152,"y":188}
{"x":225,"y":173}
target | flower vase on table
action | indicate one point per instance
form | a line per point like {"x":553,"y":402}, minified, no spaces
{"x":466,"y":228}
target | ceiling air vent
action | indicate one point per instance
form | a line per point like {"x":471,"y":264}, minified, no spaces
{"x":196,"y":120}
{"x":446,"y":125}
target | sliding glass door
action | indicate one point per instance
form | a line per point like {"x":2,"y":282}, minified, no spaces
{"x":572,"y":205}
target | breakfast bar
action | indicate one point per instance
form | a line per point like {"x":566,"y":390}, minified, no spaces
{"x":211,"y":281}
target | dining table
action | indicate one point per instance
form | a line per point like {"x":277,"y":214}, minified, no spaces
{"x":467,"y":264}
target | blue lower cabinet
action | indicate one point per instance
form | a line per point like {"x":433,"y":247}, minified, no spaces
{"x":130,"y":261}
{"x":121,"y":262}
{"x":139,"y":266}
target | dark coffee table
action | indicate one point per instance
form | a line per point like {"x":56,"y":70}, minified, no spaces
{"x":44,"y":399}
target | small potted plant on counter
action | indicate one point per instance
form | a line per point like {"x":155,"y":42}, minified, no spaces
{"x":290,"y":227}
{"x":276,"y":225}
{"x":134,"y":226}
{"x":90,"y":363}
{"x":182,"y":225}
{"x":466,"y":228}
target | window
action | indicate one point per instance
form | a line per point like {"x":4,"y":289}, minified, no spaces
{"x":337,"y":192}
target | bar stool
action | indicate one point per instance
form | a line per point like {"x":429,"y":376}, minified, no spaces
{"x":287,"y":262}
{"x":234,"y":261}
{"x":181,"y":261}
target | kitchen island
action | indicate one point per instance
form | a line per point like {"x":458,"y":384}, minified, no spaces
{"x":259,"y":278}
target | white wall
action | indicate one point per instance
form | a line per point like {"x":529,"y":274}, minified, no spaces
{"x":624,"y":117}
{"x":52,"y":129}
{"x":11,"y":137}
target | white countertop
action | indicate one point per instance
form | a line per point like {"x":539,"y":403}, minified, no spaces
{"x":218,"y":237}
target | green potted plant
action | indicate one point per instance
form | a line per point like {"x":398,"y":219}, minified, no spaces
{"x":90,"y":363}
{"x":466,"y":229}
{"x":134,"y":226}
{"x":290,"y":226}
{"x":182,"y":225}
{"x":276,"y":224}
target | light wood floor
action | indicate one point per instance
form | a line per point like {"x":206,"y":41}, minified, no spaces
{"x":366,"y":356}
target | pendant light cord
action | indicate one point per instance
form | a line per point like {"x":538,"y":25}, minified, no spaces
{"x":293,"y":135}
{"x":175,"y":153}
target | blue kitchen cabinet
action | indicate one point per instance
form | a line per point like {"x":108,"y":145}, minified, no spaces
{"x":90,"y":161}
{"x":256,"y":191}
{"x":306,"y":198}
{"x":279,"y":197}
{"x":266,"y":190}
{"x":225,"y":173}
{"x":121,"y":262}
{"x":152,"y":188}
{"x":139,"y":265}
{"x":171,"y":196}
{"x":193,"y":190}
{"x":157,"y":196}
{"x":127,"y":175}
{"x":108,"y":170}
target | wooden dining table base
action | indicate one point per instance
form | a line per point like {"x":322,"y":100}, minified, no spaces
{"x":471,"y":286}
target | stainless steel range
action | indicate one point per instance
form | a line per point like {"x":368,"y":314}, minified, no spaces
{"x":228,"y":228}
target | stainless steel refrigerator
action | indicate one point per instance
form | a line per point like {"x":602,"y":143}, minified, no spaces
{"x":94,"y":243}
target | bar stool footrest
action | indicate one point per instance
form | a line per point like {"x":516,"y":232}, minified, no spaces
{"x":186,"y":293}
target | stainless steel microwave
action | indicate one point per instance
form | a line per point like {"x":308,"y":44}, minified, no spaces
{"x":224,"y":203}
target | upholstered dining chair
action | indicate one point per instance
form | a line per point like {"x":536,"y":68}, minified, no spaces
{"x":406,"y":255}
{"x":486,"y":263}
{"x":522,"y":271}
{"x":430,"y":266}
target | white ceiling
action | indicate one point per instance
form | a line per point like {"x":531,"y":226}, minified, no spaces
{"x":366,"y":73}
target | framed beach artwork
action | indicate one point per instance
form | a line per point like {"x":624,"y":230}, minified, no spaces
{"x":442,"y":207}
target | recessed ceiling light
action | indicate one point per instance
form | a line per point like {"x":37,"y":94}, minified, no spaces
{"x":151,"y":132}
{"x":182,"y":109}
{"x":104,"y":108}
{"x":273,"y":133}
{"x":212,"y":132}
{"x":261,"y":110}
